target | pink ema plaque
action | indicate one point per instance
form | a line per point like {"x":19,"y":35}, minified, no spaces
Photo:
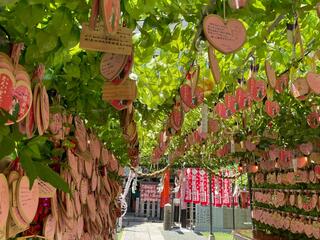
{"x":4,"y":203}
{"x":27,"y":198}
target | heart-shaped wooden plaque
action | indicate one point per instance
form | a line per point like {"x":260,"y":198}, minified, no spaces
{"x":271,"y":74}
{"x":231,"y":103}
{"x":124,"y":74}
{"x":306,"y":148}
{"x":4,"y":203}
{"x":112,"y":64}
{"x":226,"y":36}
{"x":299,"y":87}
{"x":313,"y":80}
{"x":7,"y":82}
{"x":27,"y":198}
{"x":185,"y":108}
{"x":317,"y":171}
{"x":258,"y":89}
{"x":213,"y":125}
{"x":221,"y":110}
{"x":252,"y":168}
{"x":282,"y":83}
{"x":189,"y":99}
{"x":243,"y":98}
{"x":14,"y":92}
{"x":22,"y":95}
{"x":6,"y":62}
{"x":315,"y":157}
{"x":45,"y":108}
{"x":177,"y":116}
{"x":302,"y":162}
{"x":272,"y":108}
{"x":249,"y":145}
{"x":193,"y":77}
{"x":273,"y":154}
{"x":111,"y":14}
{"x":313,"y":119}
{"x":49,"y":227}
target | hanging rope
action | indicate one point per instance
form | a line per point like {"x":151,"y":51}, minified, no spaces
{"x":122,"y":198}
{"x":150,"y":175}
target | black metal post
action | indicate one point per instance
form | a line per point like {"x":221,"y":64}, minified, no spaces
{"x":211,"y":235}
{"x":210,"y":190}
{"x":250,"y":195}
{"x":250,"y":189}
{"x":233,"y":212}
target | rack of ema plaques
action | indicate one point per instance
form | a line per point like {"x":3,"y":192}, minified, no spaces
{"x":222,"y":218}
{"x":148,"y":205}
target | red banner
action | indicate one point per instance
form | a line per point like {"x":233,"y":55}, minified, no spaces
{"x":165,"y":195}
{"x":204,"y":185}
{"x":195,"y":185}
{"x":213,"y":188}
{"x":218,"y":191}
{"x":188,"y":186}
{"x":196,"y":188}
{"x":226,"y":192}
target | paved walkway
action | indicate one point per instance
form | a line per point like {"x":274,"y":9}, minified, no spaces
{"x":142,"y":230}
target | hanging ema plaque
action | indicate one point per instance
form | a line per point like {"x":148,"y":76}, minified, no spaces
{"x":27,"y":199}
{"x":98,"y":39}
{"x":227,"y":36}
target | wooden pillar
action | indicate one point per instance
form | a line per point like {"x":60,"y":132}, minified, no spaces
{"x":153,"y":210}
{"x":148,"y":209}
{"x":141,"y":209}
{"x":137,"y":207}
{"x":191,"y":215}
{"x":158,"y":209}
{"x":183,"y":218}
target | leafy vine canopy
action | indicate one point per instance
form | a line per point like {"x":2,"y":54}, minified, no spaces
{"x":166,"y":35}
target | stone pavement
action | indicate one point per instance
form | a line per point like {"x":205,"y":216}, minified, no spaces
{"x":147,"y":230}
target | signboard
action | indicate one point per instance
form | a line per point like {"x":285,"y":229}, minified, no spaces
{"x":148,"y":192}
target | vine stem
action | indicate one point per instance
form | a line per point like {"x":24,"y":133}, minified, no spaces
{"x":224,"y":10}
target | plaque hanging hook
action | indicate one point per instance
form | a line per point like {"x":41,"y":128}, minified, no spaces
{"x":224,"y":10}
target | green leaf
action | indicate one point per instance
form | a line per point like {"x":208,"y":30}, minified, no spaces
{"x":37,"y":14}
{"x":7,"y":146}
{"x":16,"y":134}
{"x":166,"y":37}
{"x":15,"y":113}
{"x":32,"y":2}
{"x":57,"y":152}
{"x":39,"y":140}
{"x":7,"y":2}
{"x":72,"y":70}
{"x":61,"y":22}
{"x":46,"y":41}
{"x":32,"y":53}
{"x":34,"y":149}
{"x":70,"y":39}
{"x":28,"y":165}
{"x":72,"y":5}
{"x":50,"y":176}
{"x":6,"y":116}
{"x":4,"y":130}
{"x":146,"y":42}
